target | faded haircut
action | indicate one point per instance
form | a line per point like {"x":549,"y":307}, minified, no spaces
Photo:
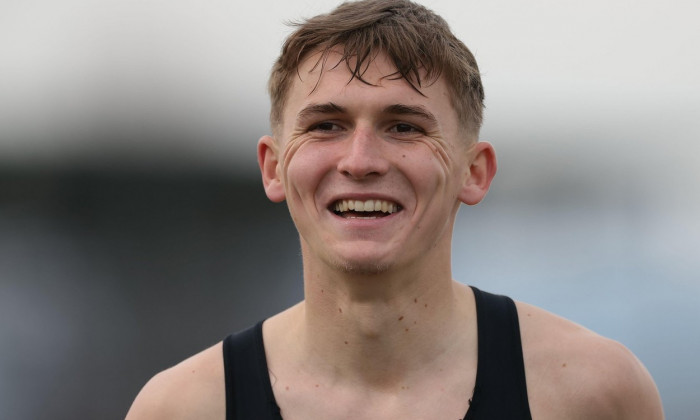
{"x":417,"y":41}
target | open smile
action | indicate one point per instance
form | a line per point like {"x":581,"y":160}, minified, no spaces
{"x":364,"y":209}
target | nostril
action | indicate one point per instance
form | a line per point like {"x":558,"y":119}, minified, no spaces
{"x":359,"y":174}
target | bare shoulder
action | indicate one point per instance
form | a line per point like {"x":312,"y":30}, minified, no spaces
{"x":574,"y":373}
{"x":193,"y":389}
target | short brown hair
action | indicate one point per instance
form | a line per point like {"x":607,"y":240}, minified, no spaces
{"x":418,"y":41}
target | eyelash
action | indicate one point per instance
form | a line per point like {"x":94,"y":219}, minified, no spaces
{"x":330,"y":127}
{"x":317,"y":126}
{"x":411,"y":128}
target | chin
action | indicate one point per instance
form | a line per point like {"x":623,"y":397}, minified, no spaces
{"x":365,"y":267}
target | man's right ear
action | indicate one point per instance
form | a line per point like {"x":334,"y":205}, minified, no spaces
{"x":269,"y":167}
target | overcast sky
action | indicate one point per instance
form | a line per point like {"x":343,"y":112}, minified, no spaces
{"x":72,"y":70}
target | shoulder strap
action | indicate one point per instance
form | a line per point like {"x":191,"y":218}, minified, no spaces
{"x":248,"y":390}
{"x":500,"y":391}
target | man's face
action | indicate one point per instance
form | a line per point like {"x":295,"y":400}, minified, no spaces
{"x":372,"y":175}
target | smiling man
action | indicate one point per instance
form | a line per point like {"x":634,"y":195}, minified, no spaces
{"x":376,"y":110}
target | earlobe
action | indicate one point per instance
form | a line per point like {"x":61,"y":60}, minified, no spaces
{"x":268,"y":162}
{"x":482,"y":169}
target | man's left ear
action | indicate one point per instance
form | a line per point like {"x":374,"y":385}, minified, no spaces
{"x":482,"y":169}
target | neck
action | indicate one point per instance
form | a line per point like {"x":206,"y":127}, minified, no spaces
{"x":376,"y":329}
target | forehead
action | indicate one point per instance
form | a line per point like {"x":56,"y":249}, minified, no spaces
{"x":323,"y":80}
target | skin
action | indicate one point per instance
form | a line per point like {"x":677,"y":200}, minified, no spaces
{"x":384,"y":331}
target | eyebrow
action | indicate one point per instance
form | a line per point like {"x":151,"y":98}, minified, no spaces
{"x":315,"y":109}
{"x":418,"y":111}
{"x":395,"y":109}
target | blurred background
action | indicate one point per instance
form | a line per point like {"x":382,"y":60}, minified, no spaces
{"x":134,"y":231}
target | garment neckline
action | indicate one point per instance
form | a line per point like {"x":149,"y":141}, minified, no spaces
{"x":265,"y":372}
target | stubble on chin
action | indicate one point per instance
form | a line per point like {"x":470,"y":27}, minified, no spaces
{"x":363,"y":268}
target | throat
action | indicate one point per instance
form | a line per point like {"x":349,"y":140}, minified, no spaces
{"x":373,"y":336}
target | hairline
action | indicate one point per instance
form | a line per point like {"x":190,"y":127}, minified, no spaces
{"x":467,"y":127}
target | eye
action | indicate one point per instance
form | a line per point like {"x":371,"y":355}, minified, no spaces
{"x":405,"y":128}
{"x":325,"y":126}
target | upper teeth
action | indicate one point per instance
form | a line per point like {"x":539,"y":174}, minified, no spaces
{"x":369,"y":205}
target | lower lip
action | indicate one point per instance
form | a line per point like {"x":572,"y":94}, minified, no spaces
{"x":369,"y":220}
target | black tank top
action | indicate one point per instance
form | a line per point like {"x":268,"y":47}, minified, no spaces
{"x":500,"y":391}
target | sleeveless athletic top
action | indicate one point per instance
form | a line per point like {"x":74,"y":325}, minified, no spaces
{"x":500,"y":391}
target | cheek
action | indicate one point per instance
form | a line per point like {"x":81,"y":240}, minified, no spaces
{"x":433,"y":182}
{"x":430,"y":169}
{"x":304,"y":168}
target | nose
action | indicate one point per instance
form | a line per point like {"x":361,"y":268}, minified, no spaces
{"x":364,"y":156}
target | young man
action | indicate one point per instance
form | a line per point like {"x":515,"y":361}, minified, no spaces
{"x":376,"y":109}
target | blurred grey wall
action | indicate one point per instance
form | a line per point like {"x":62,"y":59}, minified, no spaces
{"x":134,"y":231}
{"x":108,"y":277}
